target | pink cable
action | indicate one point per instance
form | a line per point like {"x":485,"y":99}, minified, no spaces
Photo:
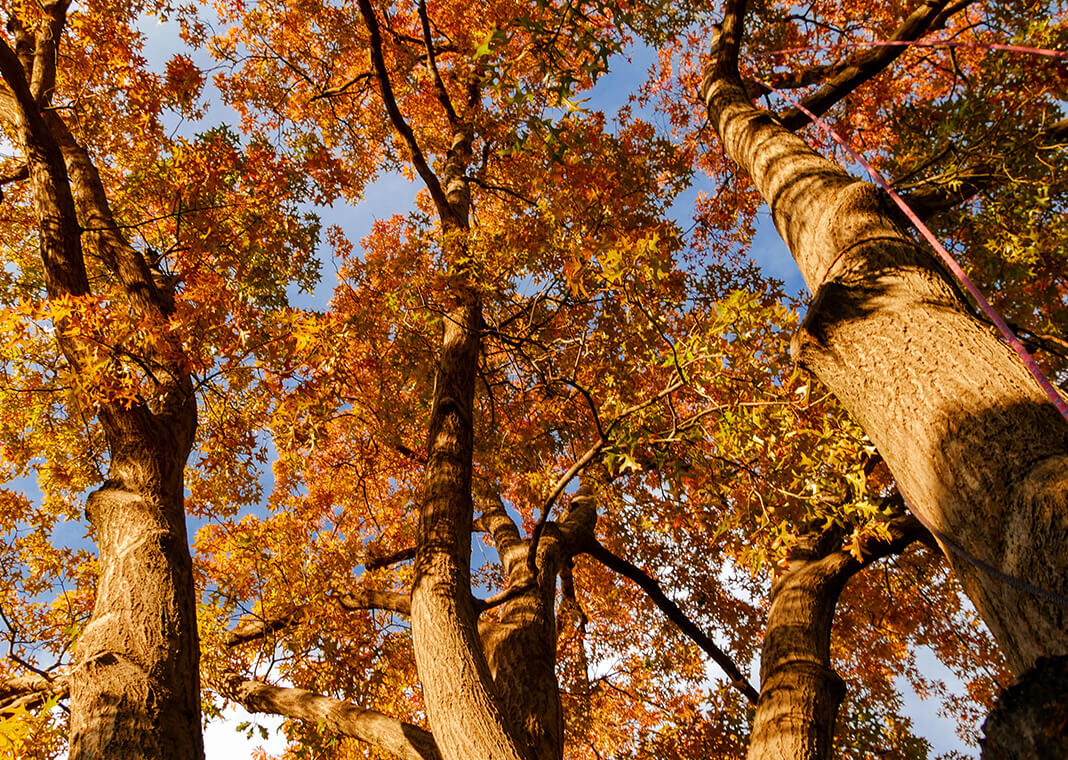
{"x":948,"y":260}
{"x":990,"y":312}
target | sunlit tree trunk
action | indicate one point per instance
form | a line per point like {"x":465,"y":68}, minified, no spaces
{"x":974,"y":444}
{"x":135,"y":685}
{"x":135,"y":688}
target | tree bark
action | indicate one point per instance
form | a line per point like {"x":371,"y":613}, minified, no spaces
{"x":799,"y":691}
{"x":971,"y":439}
{"x":1030,"y":719}
{"x":406,"y":741}
{"x":135,"y":686}
{"x":461,"y":705}
{"x":520,"y":643}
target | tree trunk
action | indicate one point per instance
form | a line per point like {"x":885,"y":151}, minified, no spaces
{"x":799,"y":691}
{"x":461,"y":705}
{"x":135,"y":688}
{"x":1030,"y":719}
{"x":520,"y":647}
{"x":971,"y":439}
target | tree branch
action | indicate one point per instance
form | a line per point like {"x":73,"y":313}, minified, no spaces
{"x":257,"y":627}
{"x":948,"y":190}
{"x":127,"y":263}
{"x":439,"y":84}
{"x":45,"y":56}
{"x":30,"y":691}
{"x":652,"y":589}
{"x":385,"y":560}
{"x":389,"y":100}
{"x":511,"y":547}
{"x":404,"y":740}
{"x":852,"y":74}
{"x":727,"y":38}
{"x":370,"y":599}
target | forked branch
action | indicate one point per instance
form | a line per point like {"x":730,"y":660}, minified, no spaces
{"x":855,"y":72}
{"x":389,"y":100}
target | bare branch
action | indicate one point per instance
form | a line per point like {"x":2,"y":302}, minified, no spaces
{"x":511,"y":547}
{"x":257,"y":627}
{"x":400,"y":555}
{"x":587,"y":458}
{"x":341,"y":89}
{"x":389,"y":100}
{"x":30,"y":691}
{"x":402,"y":739}
{"x":513,"y":591}
{"x":596,"y":550}
{"x":18,"y":174}
{"x":370,"y":599}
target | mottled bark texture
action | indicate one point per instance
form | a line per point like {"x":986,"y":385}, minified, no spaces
{"x":134,"y":688}
{"x":971,"y":439}
{"x":461,"y":704}
{"x":800,"y":693}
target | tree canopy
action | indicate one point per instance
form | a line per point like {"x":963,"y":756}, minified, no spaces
{"x":556,"y":469}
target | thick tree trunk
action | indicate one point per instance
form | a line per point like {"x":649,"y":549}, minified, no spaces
{"x":799,"y":691}
{"x":971,"y":439}
{"x":135,"y":688}
{"x":465,"y":718}
{"x":1030,"y":719}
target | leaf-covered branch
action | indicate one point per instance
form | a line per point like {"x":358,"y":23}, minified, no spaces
{"x":953,"y":188}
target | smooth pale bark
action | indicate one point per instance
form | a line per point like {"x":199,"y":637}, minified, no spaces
{"x":971,"y":439}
